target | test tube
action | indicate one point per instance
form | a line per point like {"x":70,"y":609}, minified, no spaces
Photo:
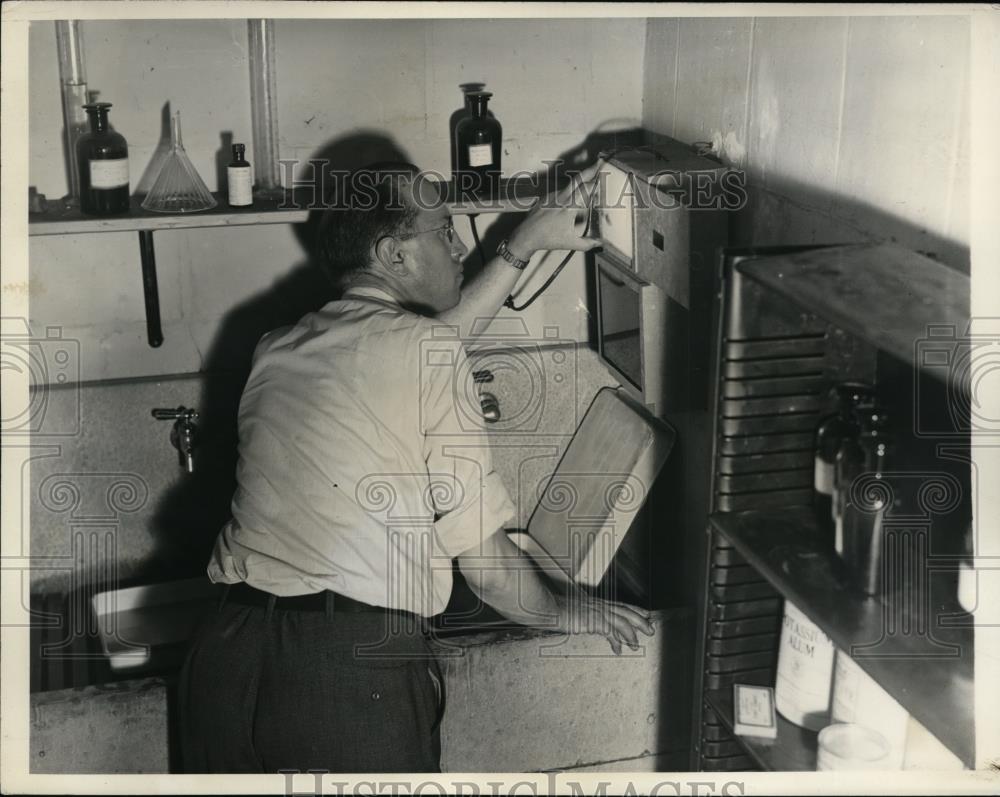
{"x":263,"y":101}
{"x":73,"y":79}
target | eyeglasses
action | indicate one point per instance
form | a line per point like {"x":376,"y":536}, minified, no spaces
{"x":448,"y":227}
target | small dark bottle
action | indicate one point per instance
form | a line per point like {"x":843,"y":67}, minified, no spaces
{"x":477,"y":144}
{"x":458,"y":116}
{"x":102,"y":160}
{"x":830,"y":435}
{"x":239,"y":178}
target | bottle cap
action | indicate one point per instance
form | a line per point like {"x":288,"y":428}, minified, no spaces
{"x":92,"y":107}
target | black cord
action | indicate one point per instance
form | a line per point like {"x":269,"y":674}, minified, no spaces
{"x":509,"y":301}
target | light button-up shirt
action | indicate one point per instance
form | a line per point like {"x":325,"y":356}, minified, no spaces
{"x":364,"y":466}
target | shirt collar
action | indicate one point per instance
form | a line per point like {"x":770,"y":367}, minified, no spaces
{"x":369,"y":292}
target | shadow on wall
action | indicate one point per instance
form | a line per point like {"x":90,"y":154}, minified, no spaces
{"x":788,"y":212}
{"x":188,"y":517}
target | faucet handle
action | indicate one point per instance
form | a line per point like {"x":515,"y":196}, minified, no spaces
{"x":182,"y":412}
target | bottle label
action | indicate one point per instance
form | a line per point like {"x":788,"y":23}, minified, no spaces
{"x":823,"y":477}
{"x":109,"y":173}
{"x":240,"y":183}
{"x":805,"y":671}
{"x":480,"y":154}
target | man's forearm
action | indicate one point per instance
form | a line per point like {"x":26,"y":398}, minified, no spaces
{"x":483,"y":297}
{"x":502,"y":577}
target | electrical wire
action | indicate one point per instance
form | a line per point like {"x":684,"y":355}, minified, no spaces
{"x":509,"y":301}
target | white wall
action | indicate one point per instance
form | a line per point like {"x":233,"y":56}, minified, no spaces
{"x":335,"y":78}
{"x":849,"y":128}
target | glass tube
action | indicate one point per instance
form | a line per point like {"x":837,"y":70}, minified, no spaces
{"x":263,"y":101}
{"x":73,"y":79}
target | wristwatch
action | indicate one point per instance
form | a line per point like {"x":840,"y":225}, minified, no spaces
{"x":509,"y":256}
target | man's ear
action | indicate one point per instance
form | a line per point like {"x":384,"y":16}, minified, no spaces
{"x":389,"y":255}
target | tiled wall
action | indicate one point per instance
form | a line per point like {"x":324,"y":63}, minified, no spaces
{"x":849,"y":128}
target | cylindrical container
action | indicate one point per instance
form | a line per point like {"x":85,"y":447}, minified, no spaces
{"x":239,"y":179}
{"x":458,"y":116}
{"x":858,"y":699}
{"x":73,"y":76}
{"x":263,"y":105}
{"x":805,"y":671}
{"x":924,"y":751}
{"x":477,"y":141}
{"x":850,"y":747}
{"x":867,"y":500}
{"x":830,"y":435}
{"x":102,"y":161}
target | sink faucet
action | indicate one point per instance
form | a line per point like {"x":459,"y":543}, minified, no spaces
{"x":184,"y":433}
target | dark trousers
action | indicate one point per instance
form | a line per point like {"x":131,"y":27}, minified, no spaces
{"x":266,"y":690}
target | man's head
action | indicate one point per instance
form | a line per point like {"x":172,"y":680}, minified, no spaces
{"x":388,"y":228}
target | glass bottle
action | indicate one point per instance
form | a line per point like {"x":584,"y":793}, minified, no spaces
{"x":805,"y":671}
{"x":864,"y":509}
{"x":830,"y":435}
{"x":102,"y":160}
{"x":458,"y":116}
{"x":239,"y":178}
{"x":477,"y":142}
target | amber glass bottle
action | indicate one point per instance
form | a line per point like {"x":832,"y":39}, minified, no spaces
{"x":477,"y":141}
{"x":102,"y":160}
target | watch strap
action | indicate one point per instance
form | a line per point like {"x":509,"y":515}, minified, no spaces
{"x":509,"y":256}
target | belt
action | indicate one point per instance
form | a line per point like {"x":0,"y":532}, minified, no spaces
{"x":245,"y":595}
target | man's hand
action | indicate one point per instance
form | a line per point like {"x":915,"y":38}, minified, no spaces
{"x":559,"y":220}
{"x":579,"y":613}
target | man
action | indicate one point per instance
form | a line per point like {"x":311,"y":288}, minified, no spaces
{"x":354,"y":495}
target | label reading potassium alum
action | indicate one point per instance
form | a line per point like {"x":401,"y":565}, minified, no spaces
{"x":805,"y":671}
{"x":480,"y":154}
{"x":109,"y":173}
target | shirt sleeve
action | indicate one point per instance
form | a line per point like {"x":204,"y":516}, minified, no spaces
{"x":467,"y":493}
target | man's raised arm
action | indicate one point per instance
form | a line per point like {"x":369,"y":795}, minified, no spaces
{"x":556,"y":223}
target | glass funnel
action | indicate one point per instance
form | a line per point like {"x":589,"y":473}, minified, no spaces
{"x":178,"y":188}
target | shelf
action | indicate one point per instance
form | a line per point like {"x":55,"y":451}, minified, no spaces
{"x":926,"y":667}
{"x":793,"y":750}
{"x":514,"y":196}
{"x":884,"y":294}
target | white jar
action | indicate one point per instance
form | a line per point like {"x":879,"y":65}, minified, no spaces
{"x":850,"y":747}
{"x":805,"y":671}
{"x":857,"y":698}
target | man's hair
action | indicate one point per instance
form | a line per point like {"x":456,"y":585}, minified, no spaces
{"x":363,"y":206}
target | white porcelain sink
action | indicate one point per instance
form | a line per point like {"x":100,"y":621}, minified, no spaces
{"x":134,"y":622}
